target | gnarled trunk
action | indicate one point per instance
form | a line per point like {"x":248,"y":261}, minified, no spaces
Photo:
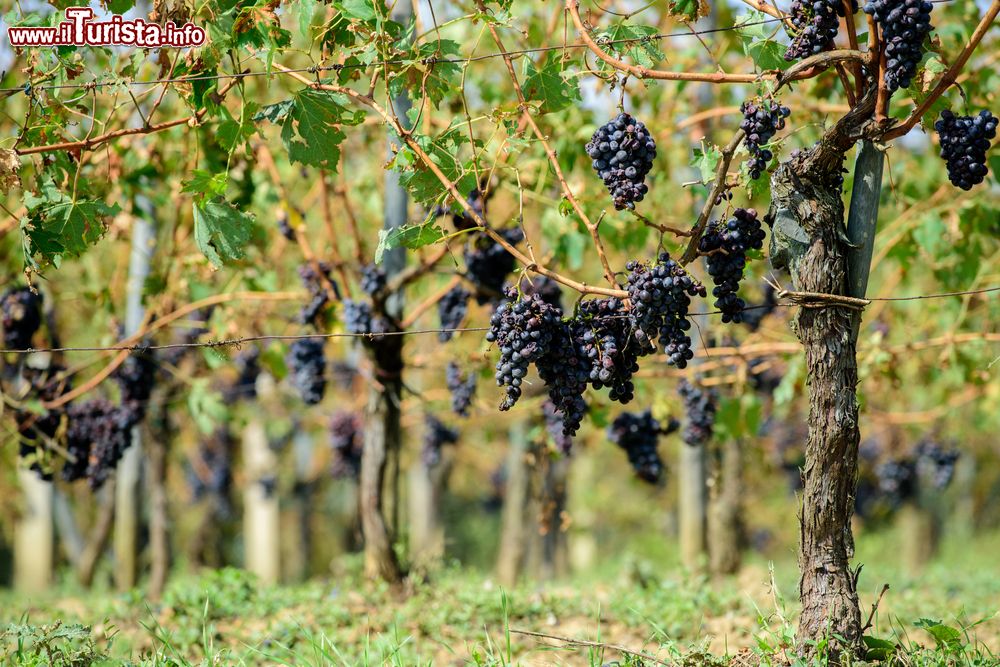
{"x":810,"y":239}
{"x":381,"y":436}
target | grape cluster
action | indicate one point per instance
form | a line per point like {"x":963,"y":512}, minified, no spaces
{"x":307,"y":364}
{"x":638,"y":434}
{"x":936,"y":463}
{"x":488,"y":263}
{"x":964,"y":142}
{"x":903,"y":25}
{"x":452,"y":309}
{"x":244,"y":387}
{"x":372,"y":280}
{"x":699,"y":408}
{"x":546,"y":288}
{"x":726,"y":245}
{"x":522,"y":329}
{"x":346,"y":441}
{"x":135,"y":379}
{"x":622,"y":151}
{"x":359,"y":319}
{"x":462,"y":389}
{"x":755,"y":313}
{"x":436,"y":435}
{"x":815,"y":26}
{"x":760,"y":122}
{"x":97,"y":435}
{"x":285,"y":227}
{"x":897,"y":480}
{"x":604,"y":331}
{"x":554,"y":427}
{"x":21,"y":310}
{"x":35,"y":429}
{"x":210,"y":471}
{"x":661,"y":296}
{"x":565,"y":372}
{"x":313,"y":281}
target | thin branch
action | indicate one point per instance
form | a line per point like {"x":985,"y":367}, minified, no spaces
{"x":422,"y":155}
{"x":338,"y":260}
{"x":569,"y":641}
{"x":721,"y":170}
{"x":852,"y":41}
{"x":92,"y":142}
{"x":949,"y":76}
{"x":553,"y":160}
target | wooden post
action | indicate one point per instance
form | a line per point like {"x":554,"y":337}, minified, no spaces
{"x":127,"y":487}
{"x":513,"y":537}
{"x":260,"y":513}
{"x":34,"y":535}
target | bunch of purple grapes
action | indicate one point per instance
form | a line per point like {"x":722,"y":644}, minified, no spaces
{"x":346,"y":441}
{"x":761,"y":120}
{"x":307,"y":366}
{"x":726,"y":245}
{"x":815,"y":26}
{"x":97,"y":435}
{"x":21,"y":310}
{"x":436,"y":435}
{"x":964,"y":142}
{"x":699,"y":410}
{"x":462,"y":389}
{"x":313,"y":281}
{"x":487,"y":263}
{"x":452,"y":309}
{"x":661,"y":296}
{"x":639,"y":434}
{"x":903,"y":25}
{"x":622,"y":151}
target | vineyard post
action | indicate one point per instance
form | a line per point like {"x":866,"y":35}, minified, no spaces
{"x":127,"y":497}
{"x":34,"y":535}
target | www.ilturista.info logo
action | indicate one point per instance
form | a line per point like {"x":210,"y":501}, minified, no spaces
{"x":79,"y":29}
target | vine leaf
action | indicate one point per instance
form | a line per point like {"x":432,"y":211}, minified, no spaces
{"x":756,"y":32}
{"x":421,"y":183}
{"x":705,"y":160}
{"x":310,"y":126}
{"x":549,"y":86}
{"x":221,"y":231}
{"x":57,"y":225}
{"x":634,"y":41}
{"x":429,"y":71}
{"x":690,"y":10}
{"x":407,"y":236}
{"x":206,"y":406}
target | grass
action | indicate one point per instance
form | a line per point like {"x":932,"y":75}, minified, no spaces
{"x":627,"y":613}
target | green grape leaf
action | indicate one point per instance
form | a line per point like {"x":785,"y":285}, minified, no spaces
{"x":756,"y":32}
{"x":310,"y":126}
{"x":946,"y":636}
{"x":634,"y":41}
{"x":206,"y":405}
{"x":706,"y":160}
{"x":443,"y":150}
{"x":429,"y":71}
{"x":878,"y":649}
{"x":221,"y":231}
{"x":689,"y":10}
{"x":549,"y":86}
{"x":56,"y":225}
{"x":205,"y":183}
{"x":407,"y":236}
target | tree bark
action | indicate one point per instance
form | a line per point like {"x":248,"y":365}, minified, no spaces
{"x":549,"y":504}
{"x":99,"y":535}
{"x":806,"y":197}
{"x":159,"y":530}
{"x":382,"y":433}
{"x":725,"y":517}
